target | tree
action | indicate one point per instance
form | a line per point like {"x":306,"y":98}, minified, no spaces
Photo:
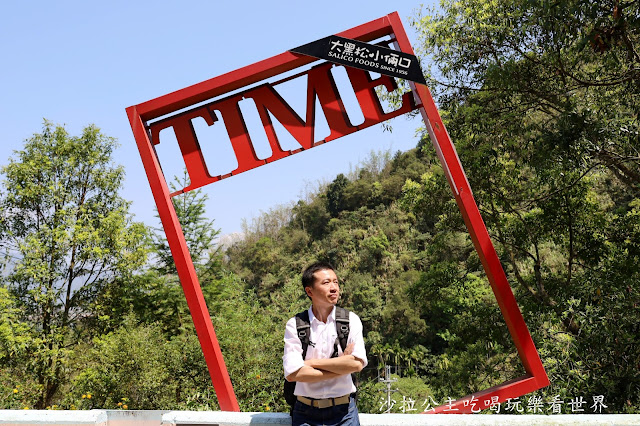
{"x":567,"y":61}
{"x":66,"y":231}
{"x":137,"y":366}
{"x":541,"y":99}
{"x":335,"y":195}
{"x":17,"y":345}
{"x":164,"y":293}
{"x":199,"y":232}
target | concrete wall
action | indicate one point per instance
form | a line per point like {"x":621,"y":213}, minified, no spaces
{"x":211,"y":418}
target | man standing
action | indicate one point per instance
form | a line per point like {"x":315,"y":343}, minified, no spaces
{"x":324,"y":388}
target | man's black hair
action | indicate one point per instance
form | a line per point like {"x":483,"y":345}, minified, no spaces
{"x":307,"y":274}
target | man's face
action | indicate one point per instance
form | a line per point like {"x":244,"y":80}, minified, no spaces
{"x":325,"y":290}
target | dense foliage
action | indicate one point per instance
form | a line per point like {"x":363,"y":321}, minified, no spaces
{"x":541,"y":100}
{"x":66,"y":232}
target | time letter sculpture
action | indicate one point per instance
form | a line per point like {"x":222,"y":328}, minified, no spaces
{"x":210,"y":100}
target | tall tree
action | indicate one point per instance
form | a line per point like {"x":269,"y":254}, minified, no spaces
{"x":199,"y":231}
{"x":567,"y":61}
{"x":165,"y":292}
{"x":542,"y":101}
{"x":66,"y":231}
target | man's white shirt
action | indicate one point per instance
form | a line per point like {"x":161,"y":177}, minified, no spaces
{"x":321,"y":345}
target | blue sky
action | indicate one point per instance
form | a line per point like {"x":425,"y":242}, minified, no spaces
{"x":82,"y":62}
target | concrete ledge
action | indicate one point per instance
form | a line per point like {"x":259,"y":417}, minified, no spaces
{"x":220,"y":418}
{"x":51,"y":417}
{"x":194,"y":418}
{"x":80,"y":418}
{"x":499,"y":420}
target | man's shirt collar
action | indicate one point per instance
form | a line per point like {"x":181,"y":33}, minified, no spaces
{"x":330,"y":318}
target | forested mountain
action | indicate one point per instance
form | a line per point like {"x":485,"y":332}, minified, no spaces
{"x":541,"y":100}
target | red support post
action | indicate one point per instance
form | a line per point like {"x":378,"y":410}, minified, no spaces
{"x":536,"y":376}
{"x":184,"y":265}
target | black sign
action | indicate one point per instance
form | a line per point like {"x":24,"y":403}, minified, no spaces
{"x":365,"y":56}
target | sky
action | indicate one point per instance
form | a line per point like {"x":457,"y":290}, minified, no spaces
{"x":80,"y":62}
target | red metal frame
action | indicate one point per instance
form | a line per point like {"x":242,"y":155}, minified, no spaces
{"x":390,"y":25}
